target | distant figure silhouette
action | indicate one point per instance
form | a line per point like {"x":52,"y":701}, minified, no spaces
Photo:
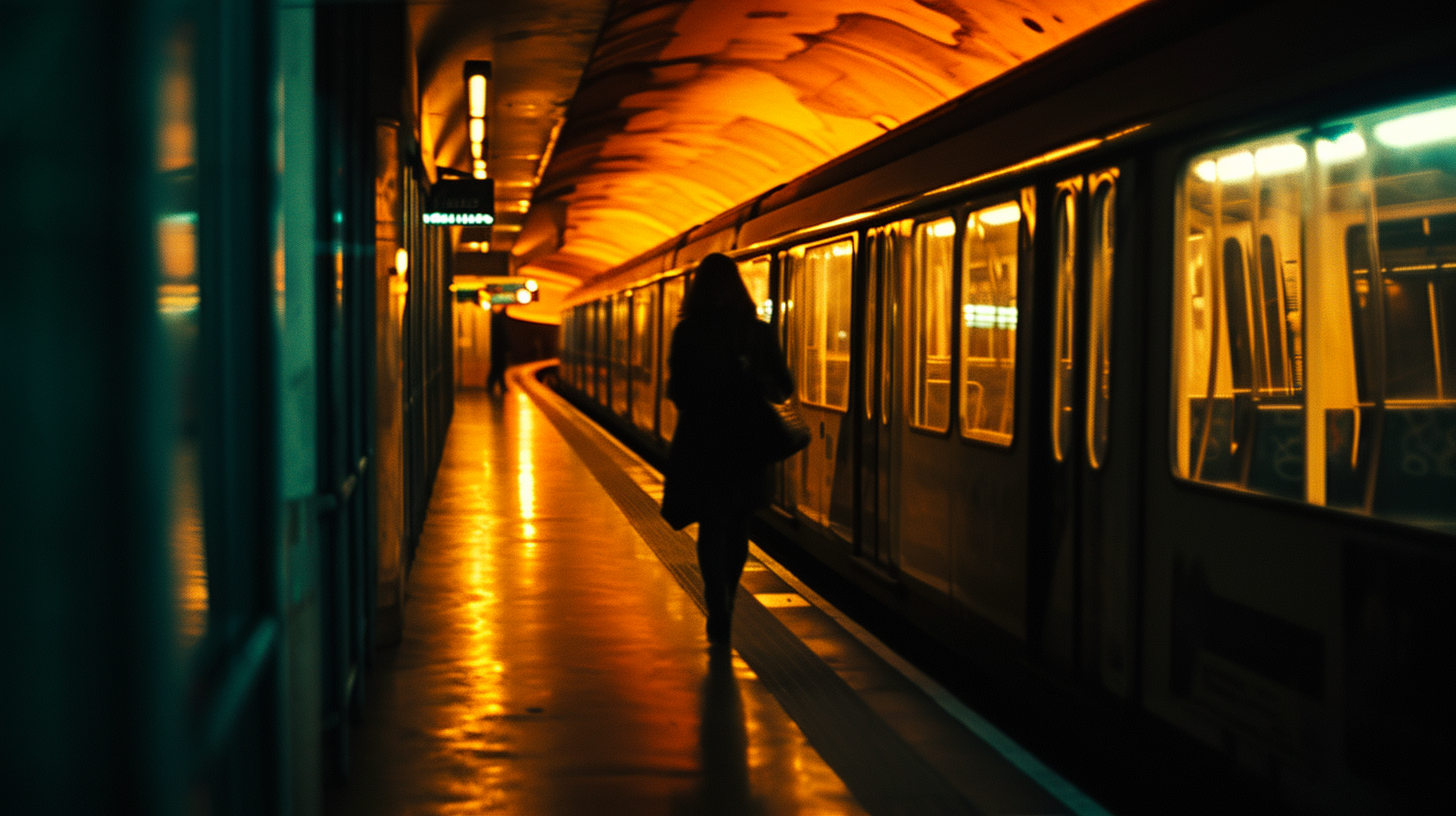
{"x":722,"y":363}
{"x":500,"y":346}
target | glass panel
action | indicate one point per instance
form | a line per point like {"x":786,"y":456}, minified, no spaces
{"x":826,"y":276}
{"x":1099,"y":316}
{"x":871,"y":326}
{"x":1367,"y":422}
{"x":755,"y":277}
{"x":601,"y":351}
{"x":930,"y":300}
{"x":178,"y":301}
{"x":988,"y":322}
{"x":1065,"y":317}
{"x":644,"y":357}
{"x":621,"y":335}
{"x":889,"y":283}
{"x":672,"y":295}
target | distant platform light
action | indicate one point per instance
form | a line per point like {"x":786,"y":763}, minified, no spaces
{"x":531,"y":285}
{"x":523,"y":295}
{"x":401,"y":261}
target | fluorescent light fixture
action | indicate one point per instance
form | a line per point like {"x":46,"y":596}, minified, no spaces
{"x":1278,"y":159}
{"x":477,"y":150}
{"x":477,"y":96}
{"x":999,"y":215}
{"x":1236,"y":167}
{"x":479,"y":168}
{"x":1418,"y":128}
{"x":477,"y":130}
{"x":985,"y":316}
{"x":401,"y":260}
{"x":1348,"y":146}
{"x":944,"y":228}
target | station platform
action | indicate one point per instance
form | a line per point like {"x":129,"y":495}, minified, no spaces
{"x":554,"y":661}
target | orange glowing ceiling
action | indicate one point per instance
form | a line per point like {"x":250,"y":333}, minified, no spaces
{"x":689,"y":107}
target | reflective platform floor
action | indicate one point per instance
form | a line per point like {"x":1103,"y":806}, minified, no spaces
{"x":554,"y":661}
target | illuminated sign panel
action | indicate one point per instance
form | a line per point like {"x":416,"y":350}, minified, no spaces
{"x":462,"y":202}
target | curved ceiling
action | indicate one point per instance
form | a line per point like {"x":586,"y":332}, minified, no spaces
{"x":611,"y":131}
{"x":690,"y":107}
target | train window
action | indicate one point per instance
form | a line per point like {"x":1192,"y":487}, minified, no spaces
{"x":823,"y":290}
{"x":1340,"y":238}
{"x":600,"y":353}
{"x":672,"y":295}
{"x":1067,"y":198}
{"x":1099,"y":314}
{"x":930,"y":281}
{"x":579,"y":329}
{"x":869,"y":368}
{"x":755,"y":277}
{"x":621,"y":347}
{"x":643,"y":368}
{"x":988,"y":322}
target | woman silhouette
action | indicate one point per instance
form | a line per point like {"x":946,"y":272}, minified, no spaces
{"x":722,"y":364}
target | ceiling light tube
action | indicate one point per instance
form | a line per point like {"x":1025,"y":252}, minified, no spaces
{"x":477,"y":130}
{"x":477,"y":96}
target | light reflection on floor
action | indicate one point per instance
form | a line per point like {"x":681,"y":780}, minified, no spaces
{"x":551,"y":664}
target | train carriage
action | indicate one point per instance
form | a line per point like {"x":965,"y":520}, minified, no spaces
{"x":1135,"y":369}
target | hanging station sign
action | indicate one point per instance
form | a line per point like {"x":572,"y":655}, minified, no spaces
{"x":463,"y":202}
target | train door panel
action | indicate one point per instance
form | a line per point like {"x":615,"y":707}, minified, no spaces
{"x":926,"y":480}
{"x":866,"y":532}
{"x":1080,"y":620}
{"x":874,"y":523}
{"x":989,"y":521}
{"x":822,"y":279}
{"x":892,"y":388}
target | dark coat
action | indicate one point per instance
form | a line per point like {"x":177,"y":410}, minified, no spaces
{"x":720,"y":372}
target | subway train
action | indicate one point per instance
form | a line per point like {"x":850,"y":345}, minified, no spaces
{"x":1104,"y":387}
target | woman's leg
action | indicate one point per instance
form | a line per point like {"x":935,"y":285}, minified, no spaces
{"x":722,"y":552}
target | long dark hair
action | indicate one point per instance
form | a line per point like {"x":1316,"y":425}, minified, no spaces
{"x":717,"y":290}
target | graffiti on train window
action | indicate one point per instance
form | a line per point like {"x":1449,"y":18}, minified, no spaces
{"x":931,"y":272}
{"x":988,"y":322}
{"x":1339,"y":239}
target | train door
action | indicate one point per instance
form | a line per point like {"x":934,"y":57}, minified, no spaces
{"x":821,"y":280}
{"x":991,"y":464}
{"x":1079,"y":567}
{"x":874,"y":524}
